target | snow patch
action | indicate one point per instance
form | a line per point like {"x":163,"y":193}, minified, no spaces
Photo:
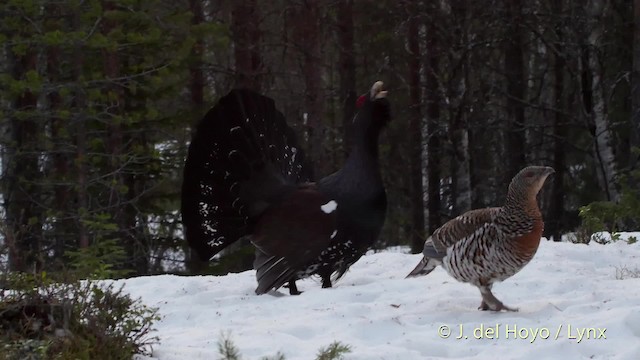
{"x":329,"y":207}
{"x":381,"y":315}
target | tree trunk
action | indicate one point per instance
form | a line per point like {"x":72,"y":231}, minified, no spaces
{"x":113,"y":94}
{"x":23,"y":215}
{"x":416,"y":191}
{"x":514,"y":70}
{"x":194,"y":264}
{"x":634,"y":163}
{"x":195,"y":69}
{"x":556,"y":210}
{"x":347,"y":68}
{"x":61,"y":165}
{"x":307,"y":38}
{"x":459,"y":124}
{"x":58,"y":169}
{"x":123,"y":183}
{"x":82,"y":172}
{"x":432,"y":91}
{"x":245,"y":29}
{"x":80,"y":161}
{"x":603,"y":137}
{"x":461,"y":169}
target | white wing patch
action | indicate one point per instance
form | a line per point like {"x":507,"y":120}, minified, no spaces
{"x":335,"y":232}
{"x":329,"y":207}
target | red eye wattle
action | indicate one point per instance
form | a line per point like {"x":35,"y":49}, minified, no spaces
{"x":360,"y":101}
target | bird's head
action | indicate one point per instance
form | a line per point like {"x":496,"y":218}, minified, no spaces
{"x":374,"y":105}
{"x":530,"y":180}
{"x":376,"y":92}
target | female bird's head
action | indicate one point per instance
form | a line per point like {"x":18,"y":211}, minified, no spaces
{"x":530,"y":180}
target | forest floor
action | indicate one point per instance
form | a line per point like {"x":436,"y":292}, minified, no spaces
{"x":576,"y":302}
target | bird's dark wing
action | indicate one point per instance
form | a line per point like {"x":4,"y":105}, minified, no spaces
{"x":291,"y":234}
{"x":457,"y":229}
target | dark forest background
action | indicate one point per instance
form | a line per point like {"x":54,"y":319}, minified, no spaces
{"x":98,"y":98}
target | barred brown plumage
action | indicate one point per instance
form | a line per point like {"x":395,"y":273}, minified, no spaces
{"x":489,"y":245}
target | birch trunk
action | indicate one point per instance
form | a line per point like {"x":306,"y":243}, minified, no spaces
{"x":556,"y":210}
{"x":461,"y":159}
{"x":462,"y":172}
{"x":308,"y":38}
{"x":432,"y":91}
{"x":539,"y":89}
{"x":603,"y":137}
{"x":514,"y":70}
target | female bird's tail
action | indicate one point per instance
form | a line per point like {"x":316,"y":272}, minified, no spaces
{"x":424,"y":267}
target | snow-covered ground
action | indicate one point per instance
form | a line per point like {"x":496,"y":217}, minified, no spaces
{"x":575,"y":301}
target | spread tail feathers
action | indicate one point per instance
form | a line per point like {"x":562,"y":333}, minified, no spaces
{"x":271,"y":272}
{"x":424,"y":267}
{"x":242,"y":156}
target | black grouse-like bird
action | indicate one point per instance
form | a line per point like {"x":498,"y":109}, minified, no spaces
{"x":245,"y":176}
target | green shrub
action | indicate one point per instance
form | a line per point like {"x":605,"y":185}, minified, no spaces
{"x":98,"y":261}
{"x":277,"y":356}
{"x":334,"y":351}
{"x":609,"y":216}
{"x":227,"y":350}
{"x":45,"y":319}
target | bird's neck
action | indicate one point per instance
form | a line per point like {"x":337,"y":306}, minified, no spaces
{"x":524,"y":203}
{"x":360,"y":175}
{"x":363,"y":158}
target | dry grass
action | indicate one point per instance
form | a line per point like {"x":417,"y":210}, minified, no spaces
{"x":624,"y":272}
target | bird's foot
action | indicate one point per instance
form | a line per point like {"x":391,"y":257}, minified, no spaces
{"x":293,"y":288}
{"x":499,"y":306}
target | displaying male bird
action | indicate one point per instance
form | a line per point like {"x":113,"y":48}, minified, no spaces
{"x":489,"y":245}
{"x":245,"y":177}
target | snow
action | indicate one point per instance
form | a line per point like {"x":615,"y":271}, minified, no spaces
{"x":329,"y":207}
{"x":566,"y":289}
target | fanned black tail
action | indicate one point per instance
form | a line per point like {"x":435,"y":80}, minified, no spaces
{"x":243,"y":156}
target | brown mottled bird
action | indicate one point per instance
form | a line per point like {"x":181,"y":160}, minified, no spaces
{"x":489,"y":245}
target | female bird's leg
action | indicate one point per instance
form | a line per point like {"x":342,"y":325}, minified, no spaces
{"x":293,"y":288}
{"x":490,"y":302}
